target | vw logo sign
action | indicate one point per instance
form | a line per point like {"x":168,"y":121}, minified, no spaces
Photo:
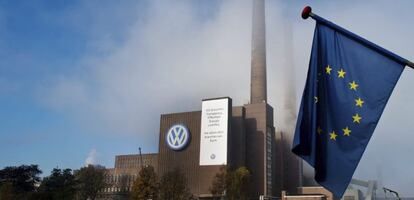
{"x":213,"y":156}
{"x":178,"y":137}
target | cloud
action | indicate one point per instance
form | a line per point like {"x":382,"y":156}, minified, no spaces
{"x":92,"y":158}
{"x":167,"y":64}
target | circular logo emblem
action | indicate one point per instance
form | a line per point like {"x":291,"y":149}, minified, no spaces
{"x":213,"y":156}
{"x":178,"y":137}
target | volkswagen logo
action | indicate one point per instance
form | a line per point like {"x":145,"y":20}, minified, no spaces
{"x":213,"y":156}
{"x":178,"y":137}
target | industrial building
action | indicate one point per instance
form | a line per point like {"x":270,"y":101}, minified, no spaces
{"x":120,"y":179}
{"x":245,"y":135}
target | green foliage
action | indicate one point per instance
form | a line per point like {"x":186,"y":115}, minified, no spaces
{"x":60,"y":185}
{"x":90,"y":181}
{"x":234,"y":184}
{"x":146,"y":185}
{"x":173,"y":186}
{"x":19,"y":182}
{"x":218,"y":187}
{"x":237,"y":185}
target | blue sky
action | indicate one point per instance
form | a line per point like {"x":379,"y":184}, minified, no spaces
{"x":41,"y":41}
{"x":87,"y":80}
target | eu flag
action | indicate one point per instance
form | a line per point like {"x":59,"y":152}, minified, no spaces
{"x":348,"y":85}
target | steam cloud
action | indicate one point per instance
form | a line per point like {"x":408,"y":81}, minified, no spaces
{"x":92,"y":158}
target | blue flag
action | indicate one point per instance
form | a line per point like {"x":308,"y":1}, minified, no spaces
{"x":348,"y":85}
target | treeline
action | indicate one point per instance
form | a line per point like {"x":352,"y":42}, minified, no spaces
{"x":227,"y":184}
{"x":24,"y":182}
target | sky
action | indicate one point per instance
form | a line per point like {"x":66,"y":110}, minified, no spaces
{"x":83,"y":81}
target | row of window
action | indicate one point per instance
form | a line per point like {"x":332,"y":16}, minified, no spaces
{"x":117,"y":189}
{"x":128,"y":162}
{"x":269,"y":161}
{"x":120,"y":178}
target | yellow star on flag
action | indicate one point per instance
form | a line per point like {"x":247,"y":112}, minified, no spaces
{"x":333,"y":135}
{"x":347,"y":131}
{"x":359,"y":102}
{"x":328,"y":69}
{"x":341,"y":73}
{"x":319,"y":130}
{"x":357,"y":118}
{"x":353,"y":85}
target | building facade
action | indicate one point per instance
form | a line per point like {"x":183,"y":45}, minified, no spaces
{"x":251,"y":143}
{"x":119,"y":180}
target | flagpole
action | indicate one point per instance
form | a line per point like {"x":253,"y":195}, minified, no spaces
{"x":410,"y":64}
{"x":307,"y":12}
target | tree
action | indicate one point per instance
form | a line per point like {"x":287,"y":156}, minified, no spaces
{"x":146,"y":185}
{"x":173,"y":186}
{"x":238,"y":184}
{"x":233,"y":183}
{"x":218,"y":187}
{"x":60,"y":185}
{"x":19,"y":182}
{"x":90,"y":181}
{"x":6,"y":191}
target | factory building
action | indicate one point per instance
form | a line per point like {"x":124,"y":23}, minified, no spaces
{"x":250,"y":143}
{"x":199,"y":143}
{"x":119,"y":180}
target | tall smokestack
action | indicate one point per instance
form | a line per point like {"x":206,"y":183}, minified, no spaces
{"x":258,"y":89}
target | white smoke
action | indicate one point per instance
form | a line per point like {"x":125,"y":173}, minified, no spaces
{"x":92,"y":158}
{"x":281,"y":68}
{"x":171,"y":59}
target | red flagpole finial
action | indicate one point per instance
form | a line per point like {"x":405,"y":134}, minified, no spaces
{"x":306,"y":12}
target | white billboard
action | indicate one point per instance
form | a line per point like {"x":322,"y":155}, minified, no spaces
{"x":214,"y":130}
